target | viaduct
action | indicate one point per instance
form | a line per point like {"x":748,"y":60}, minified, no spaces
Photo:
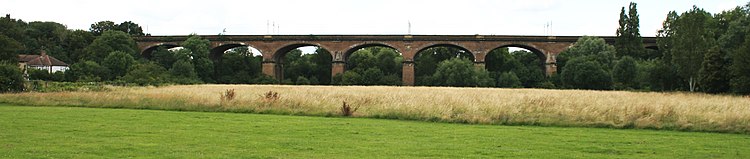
{"x":274,"y":47}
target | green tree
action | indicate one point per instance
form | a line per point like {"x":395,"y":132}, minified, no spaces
{"x":581,"y":73}
{"x":199,"y":49}
{"x":629,"y":41}
{"x":110,"y":41}
{"x":740,"y":82}
{"x":8,"y":49}
{"x":322,"y":61}
{"x":163,"y":57}
{"x":74,"y":42}
{"x":591,"y":48}
{"x":118,"y":63}
{"x":624,"y":73}
{"x":691,"y":40}
{"x":508,"y":80}
{"x":372,"y":76}
{"x":87,"y":71}
{"x":713,"y":72}
{"x":462,"y":73}
{"x":205,"y":69}
{"x":147,"y":74}
{"x":100,"y":27}
{"x":183,"y":72}
{"x":11,"y":78}
{"x":130,"y":28}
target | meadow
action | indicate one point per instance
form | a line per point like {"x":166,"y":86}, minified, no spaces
{"x":562,"y":108}
{"x":73,"y":132}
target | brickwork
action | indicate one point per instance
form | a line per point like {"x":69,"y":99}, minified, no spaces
{"x":273,"y":47}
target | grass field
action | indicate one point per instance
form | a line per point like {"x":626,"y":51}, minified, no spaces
{"x":65,"y":132}
{"x":576,"y":108}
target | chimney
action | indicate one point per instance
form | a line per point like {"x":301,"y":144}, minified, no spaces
{"x":44,"y":53}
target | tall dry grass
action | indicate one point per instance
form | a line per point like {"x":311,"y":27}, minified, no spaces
{"x":616,"y":109}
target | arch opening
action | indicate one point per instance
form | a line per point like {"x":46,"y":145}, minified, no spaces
{"x":238,"y":64}
{"x":516,"y":66}
{"x":427,"y":59}
{"x":371,"y":64}
{"x":303,"y":64}
{"x":149,"y":51}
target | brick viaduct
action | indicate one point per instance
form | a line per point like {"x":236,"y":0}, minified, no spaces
{"x":274,"y":47}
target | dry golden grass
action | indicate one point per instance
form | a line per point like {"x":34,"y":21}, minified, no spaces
{"x":617,"y":109}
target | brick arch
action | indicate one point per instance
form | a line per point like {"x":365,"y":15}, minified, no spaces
{"x":447,"y":44}
{"x":541,"y":55}
{"x":217,"y":51}
{"x":148,"y":50}
{"x":281,"y":51}
{"x":355,"y":47}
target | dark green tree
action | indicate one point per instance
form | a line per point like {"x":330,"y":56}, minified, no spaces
{"x":508,"y":80}
{"x":147,"y":74}
{"x":110,"y":41}
{"x":11,"y":78}
{"x":100,"y":27}
{"x":691,"y":40}
{"x":130,"y":28}
{"x":624,"y":73}
{"x":8,"y":49}
{"x":713,"y":72}
{"x":581,"y":73}
{"x":74,"y":43}
{"x":740,"y":82}
{"x":322,"y":61}
{"x":461,"y":72}
{"x":87,"y":71}
{"x":199,"y":52}
{"x":629,"y":41}
{"x":118,"y":63}
{"x":183,"y":72}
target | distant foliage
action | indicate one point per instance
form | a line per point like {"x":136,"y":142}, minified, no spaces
{"x":11,"y":78}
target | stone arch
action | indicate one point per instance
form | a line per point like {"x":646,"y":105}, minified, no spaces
{"x":148,"y":50}
{"x":355,"y":47}
{"x":216,"y":52}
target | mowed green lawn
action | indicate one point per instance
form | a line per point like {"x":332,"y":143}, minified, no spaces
{"x":63,"y":132}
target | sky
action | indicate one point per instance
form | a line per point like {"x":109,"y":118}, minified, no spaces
{"x":304,"y":17}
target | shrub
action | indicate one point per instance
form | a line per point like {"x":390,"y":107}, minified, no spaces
{"x":347,"y":110}
{"x":11,"y":78}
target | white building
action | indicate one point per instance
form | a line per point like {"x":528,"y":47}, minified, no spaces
{"x":42,"y":62}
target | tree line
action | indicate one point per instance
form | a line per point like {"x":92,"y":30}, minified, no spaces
{"x":697,"y":51}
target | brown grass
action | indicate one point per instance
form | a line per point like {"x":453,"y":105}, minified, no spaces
{"x":616,"y":109}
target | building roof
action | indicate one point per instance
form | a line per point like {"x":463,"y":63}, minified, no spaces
{"x":40,"y":60}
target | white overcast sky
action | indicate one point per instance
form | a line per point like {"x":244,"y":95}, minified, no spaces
{"x":427,"y":17}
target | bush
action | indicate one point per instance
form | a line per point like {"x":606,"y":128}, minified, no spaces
{"x":147,"y":74}
{"x":462,"y":73}
{"x":302,"y":81}
{"x":581,"y":73}
{"x":11,"y":78}
{"x":37,"y":74}
{"x":508,"y":80}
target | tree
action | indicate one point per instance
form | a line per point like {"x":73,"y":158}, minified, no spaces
{"x":147,"y":74}
{"x":624,"y":73}
{"x":183,"y":72}
{"x":110,"y":41}
{"x":508,"y":80}
{"x":75,"y":42}
{"x":8,"y":49}
{"x":462,"y":73}
{"x":87,"y":71}
{"x":713,"y":72}
{"x":590,"y":48}
{"x":118,"y":63}
{"x":322,"y":61}
{"x":581,"y":73}
{"x":205,"y":69}
{"x":130,"y":28}
{"x":199,"y":51}
{"x":11,"y":78}
{"x":629,"y":41}
{"x":691,"y":40}
{"x":372,"y":76}
{"x":100,"y":27}
{"x":740,"y":82}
